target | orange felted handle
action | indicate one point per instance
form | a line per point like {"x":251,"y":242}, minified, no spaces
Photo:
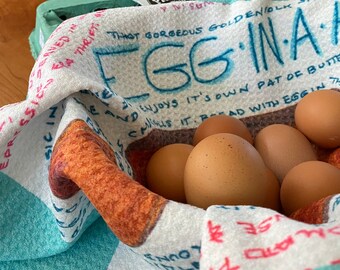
{"x":315,"y":213}
{"x":82,"y":160}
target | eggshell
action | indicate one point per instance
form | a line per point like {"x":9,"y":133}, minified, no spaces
{"x":272,"y":197}
{"x":308,"y":182}
{"x":165,"y":170}
{"x":317,"y":116}
{"x":282,"y":147}
{"x":222,"y":124}
{"x":225,"y":169}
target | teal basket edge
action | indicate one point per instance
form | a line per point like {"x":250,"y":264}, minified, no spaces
{"x":50,"y":14}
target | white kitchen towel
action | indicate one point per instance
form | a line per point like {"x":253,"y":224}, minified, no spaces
{"x":111,"y":87}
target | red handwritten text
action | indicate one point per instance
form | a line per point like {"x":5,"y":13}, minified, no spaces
{"x":190,"y":6}
{"x":57,"y":45}
{"x":42,"y":88}
{"x":263,"y":226}
{"x":336,"y":262}
{"x":227,"y":265}
{"x":280,"y":247}
{"x":30,"y":111}
{"x":215,"y":232}
{"x":72,"y":28}
{"x":266,"y":252}
{"x":63,"y":64}
{"x":99,"y":13}
{"x":7,"y":153}
{"x":9,"y":120}
{"x":321,"y":232}
{"x":87,"y":41}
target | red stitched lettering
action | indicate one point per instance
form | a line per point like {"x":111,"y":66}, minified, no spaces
{"x":7,"y":153}
{"x":47,"y":54}
{"x":308,"y":233}
{"x":40,"y":94}
{"x":2,"y":125}
{"x":249,"y":227}
{"x":335,"y":262}
{"x":42,"y":62}
{"x":30,"y":84}
{"x":11,"y":142}
{"x":68,"y":62}
{"x":258,"y":253}
{"x":262,"y":227}
{"x":266,"y":252}
{"x":227,"y":266}
{"x":57,"y":65}
{"x":86,"y":42}
{"x":73,"y":27}
{"x":265,"y":225}
{"x":49,"y":81}
{"x":285,"y":244}
{"x":59,"y":44}
{"x":39,"y":74}
{"x":32,"y":73}
{"x":4,"y":165}
{"x":30,"y":112}
{"x":215,"y":232}
{"x":99,"y":13}
{"x":23,"y":122}
{"x":65,"y":38}
{"x":82,"y":17}
{"x":335,"y":230}
{"x":92,"y":32}
{"x":61,"y":41}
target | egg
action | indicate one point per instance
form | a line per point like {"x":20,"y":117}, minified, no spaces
{"x":317,"y":116}
{"x":282,"y":147}
{"x":225,"y":169}
{"x":221,"y":124}
{"x":272,"y":197}
{"x":165,"y":169}
{"x":308,"y":182}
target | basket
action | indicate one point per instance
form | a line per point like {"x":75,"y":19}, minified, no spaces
{"x":112,"y":86}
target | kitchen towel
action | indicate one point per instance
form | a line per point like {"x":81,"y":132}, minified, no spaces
{"x":111,"y":87}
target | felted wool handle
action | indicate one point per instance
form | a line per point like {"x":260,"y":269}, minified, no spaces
{"x":82,"y":160}
{"x":315,"y":213}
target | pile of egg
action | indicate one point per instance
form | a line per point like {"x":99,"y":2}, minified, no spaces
{"x":278,"y":169}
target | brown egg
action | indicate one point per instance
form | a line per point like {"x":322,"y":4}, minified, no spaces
{"x":317,"y":116}
{"x":165,"y":171}
{"x":221,"y":124}
{"x":282,"y":147}
{"x":272,"y":197}
{"x":307,"y":183}
{"x":225,"y":169}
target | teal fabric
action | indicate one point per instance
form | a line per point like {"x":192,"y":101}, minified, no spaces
{"x":28,"y":227}
{"x":28,"y":230}
{"x":329,"y":267}
{"x":93,"y":251}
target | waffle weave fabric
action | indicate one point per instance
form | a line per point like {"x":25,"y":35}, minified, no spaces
{"x":112,"y":86}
